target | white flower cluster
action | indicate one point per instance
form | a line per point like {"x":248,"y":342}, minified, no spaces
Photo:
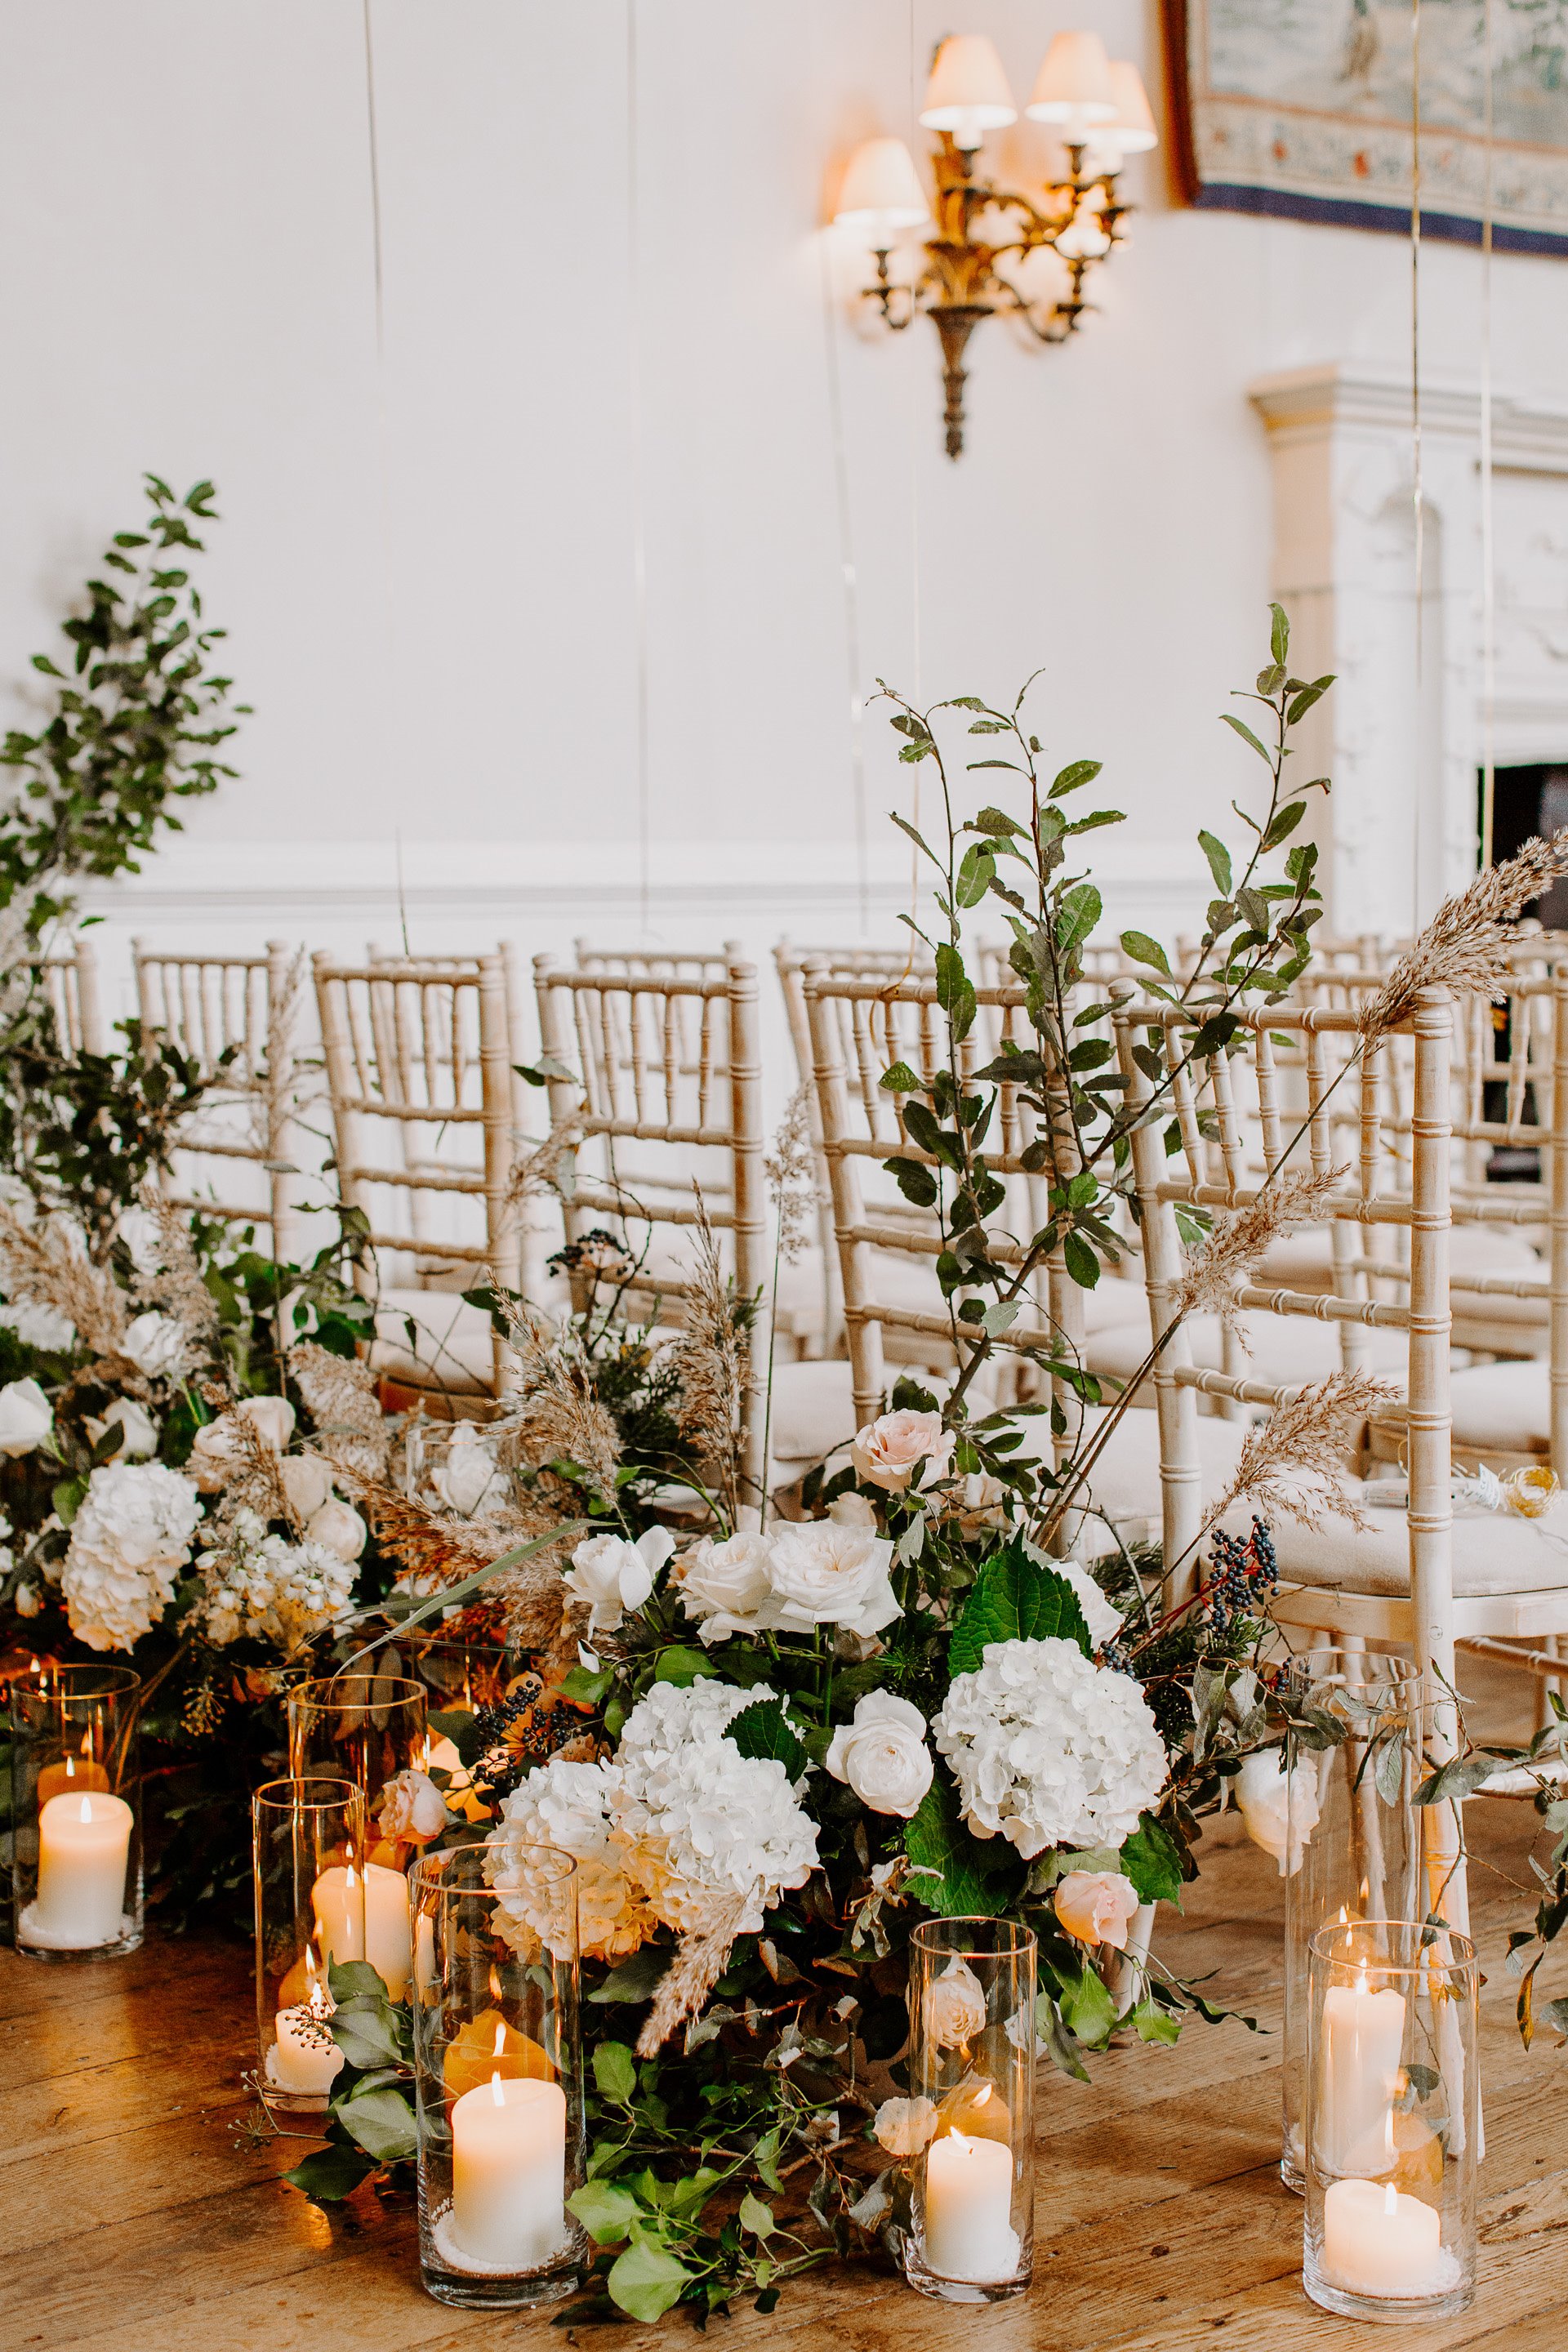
{"x":1050,"y":1749}
{"x":268,"y":1587}
{"x":678,"y":1824}
{"x":795,"y":1577}
{"x":130,"y":1538}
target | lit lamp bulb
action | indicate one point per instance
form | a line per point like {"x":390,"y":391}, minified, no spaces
{"x":1074,"y":89}
{"x":967,"y":93}
{"x":881,"y":192}
{"x":1084,"y":239}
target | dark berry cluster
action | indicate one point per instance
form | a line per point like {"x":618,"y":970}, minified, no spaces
{"x":1242,"y":1572}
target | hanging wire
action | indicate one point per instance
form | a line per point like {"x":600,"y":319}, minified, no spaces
{"x":634,"y":395}
{"x":1489,"y":543}
{"x":850,"y":579}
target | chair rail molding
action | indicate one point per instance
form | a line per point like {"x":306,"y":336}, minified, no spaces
{"x":1404,"y":733}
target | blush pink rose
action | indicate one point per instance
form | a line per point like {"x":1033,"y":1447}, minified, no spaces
{"x":1096,"y":1905}
{"x":887,"y":1452}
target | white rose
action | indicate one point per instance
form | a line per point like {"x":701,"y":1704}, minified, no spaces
{"x":412,"y":1806}
{"x":613,"y":1576}
{"x":888,"y":1451}
{"x":827,"y":1575}
{"x":469,"y":1481}
{"x":883,"y":1754}
{"x":140,"y":1442}
{"x":213,"y":1458}
{"x":44,"y":1327}
{"x":852,"y":1511}
{"x":308,"y":1483}
{"x":980,"y":1502}
{"x":1096,"y":1905}
{"x":903,"y":2127}
{"x":138,"y":1228}
{"x":1103,"y":1620}
{"x":728,"y":1585}
{"x":339,"y":1530}
{"x":156,"y":1345}
{"x":955,"y":2011}
{"x":26,"y":1417}
{"x":1278,"y":1811}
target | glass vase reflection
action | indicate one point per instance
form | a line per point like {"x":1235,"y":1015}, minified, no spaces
{"x":75,"y":1805}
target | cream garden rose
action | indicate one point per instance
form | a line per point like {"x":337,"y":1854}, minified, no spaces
{"x":824,"y":1574}
{"x":903,"y":2127}
{"x":26,"y":1418}
{"x":1278,"y":1811}
{"x":728,"y":1585}
{"x":888,"y":1451}
{"x":412,"y":1806}
{"x":156,"y":1345}
{"x":955,"y":2009}
{"x":1096,"y":1905}
{"x":613,"y":1576}
{"x":882,"y":1755}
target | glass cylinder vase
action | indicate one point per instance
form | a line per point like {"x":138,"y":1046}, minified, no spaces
{"x":498,"y":2064}
{"x":76,"y":1854}
{"x":972,"y":2082}
{"x":368,"y":1728}
{"x":1352,"y":1828}
{"x":308,"y":1845}
{"x":1392,"y":2118}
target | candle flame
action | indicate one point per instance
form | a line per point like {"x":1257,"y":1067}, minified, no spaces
{"x":86,"y":1808}
{"x":351,"y":1875}
{"x":1390,"y":2199}
{"x":981,"y":2094}
{"x":497,"y":2093}
{"x":35,"y":1668}
{"x":70,"y":1767}
{"x":962,"y":2141}
{"x":495,"y":1982}
{"x":501,"y":2038}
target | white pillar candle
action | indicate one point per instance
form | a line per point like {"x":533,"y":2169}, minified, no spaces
{"x":304,"y":2058}
{"x":362,"y":1914}
{"x":1378,"y":2241}
{"x":509,"y":2174}
{"x":83,"y":1843}
{"x":1364,"y":2042}
{"x":968,"y":2210}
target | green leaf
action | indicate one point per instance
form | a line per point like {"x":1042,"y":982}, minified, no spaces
{"x":634,"y":1979}
{"x":1014,"y":1598}
{"x":329,"y":2174}
{"x":954,"y":1875}
{"x":756,"y":2217}
{"x":762,"y":1730}
{"x":1082,"y":772}
{"x":1154,"y":2023}
{"x":588,"y":1686}
{"x":1278,"y":634}
{"x":975,"y":874}
{"x":353,"y":1981}
{"x":605,"y":2212}
{"x":1219,"y":857}
{"x":1246,"y":736}
{"x":1082,"y":908}
{"x":1152,"y":1860}
{"x":683,"y":1665}
{"x":915,"y":1182}
{"x":954,"y":991}
{"x":1087,"y":2008}
{"x":382,"y":2122}
{"x":996,"y":821}
{"x":645,"y":2281}
{"x":899,"y":1080}
{"x":365,"y":2034}
{"x":1144,"y":949}
{"x":615,"y":2071}
{"x":1081,"y":1261}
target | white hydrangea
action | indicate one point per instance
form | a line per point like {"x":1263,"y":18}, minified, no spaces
{"x":700,"y":1823}
{"x":158,"y":1345}
{"x":130,"y":1539}
{"x":567,"y":1806}
{"x":1050,"y":1749}
{"x":273,"y":1589}
{"x":40,"y":1327}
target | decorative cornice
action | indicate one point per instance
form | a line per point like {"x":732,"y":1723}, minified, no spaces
{"x":1309,"y":402}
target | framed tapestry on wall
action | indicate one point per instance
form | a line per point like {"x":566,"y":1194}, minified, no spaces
{"x":1304,"y":108}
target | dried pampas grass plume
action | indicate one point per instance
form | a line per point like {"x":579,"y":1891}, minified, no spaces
{"x":557,"y":1417}
{"x":1242,"y":1238}
{"x":712,"y":1356}
{"x":791,"y":1171}
{"x":176,"y":1285}
{"x":438,"y":1548}
{"x":351,"y":1431}
{"x":1294,"y":1464}
{"x":1465,"y":945}
{"x":46,"y":1264}
{"x":698,"y":1965}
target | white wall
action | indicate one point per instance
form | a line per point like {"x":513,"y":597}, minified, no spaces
{"x":427,"y":559}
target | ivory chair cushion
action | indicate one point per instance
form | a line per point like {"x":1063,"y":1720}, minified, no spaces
{"x":1304,"y":1261}
{"x":1494,"y":1553}
{"x":1502,"y":1416}
{"x":1285,"y":1350}
{"x":1125,"y":1486}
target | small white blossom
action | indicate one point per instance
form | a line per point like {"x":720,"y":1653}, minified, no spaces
{"x":903,"y":2127}
{"x":156,"y":1344}
{"x":1048,"y":1748}
{"x":955,"y":2006}
{"x":140,"y":1442}
{"x":131,"y":1538}
{"x":1279,"y":1809}
{"x":882,"y":1755}
{"x":272,"y":1589}
{"x":613,"y":1576}
{"x":468,"y":1480}
{"x":26,"y":1418}
{"x":565,"y":1807}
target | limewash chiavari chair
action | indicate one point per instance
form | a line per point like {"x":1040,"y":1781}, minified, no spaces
{"x":667,"y":1064}
{"x":242,"y":1005}
{"x":69,"y":971}
{"x":417,"y":1057}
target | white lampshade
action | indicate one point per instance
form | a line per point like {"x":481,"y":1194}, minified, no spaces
{"x":1074,"y":86}
{"x":881,"y":192}
{"x":1132,"y":128}
{"x":967,"y":93}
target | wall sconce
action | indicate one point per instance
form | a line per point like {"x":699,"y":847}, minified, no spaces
{"x":1102,"y":114}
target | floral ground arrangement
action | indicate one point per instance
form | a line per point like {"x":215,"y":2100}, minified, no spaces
{"x":776,"y":1732}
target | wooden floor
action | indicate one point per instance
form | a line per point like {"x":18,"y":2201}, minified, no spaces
{"x":138,"y":2211}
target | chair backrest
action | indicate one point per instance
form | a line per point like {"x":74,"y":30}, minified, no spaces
{"x":658,"y":963}
{"x":663,"y":1084}
{"x":417,"y":1063}
{"x":210,"y":1004}
{"x":70,"y":982}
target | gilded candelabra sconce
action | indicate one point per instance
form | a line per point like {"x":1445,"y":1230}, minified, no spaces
{"x":1099,"y":112}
